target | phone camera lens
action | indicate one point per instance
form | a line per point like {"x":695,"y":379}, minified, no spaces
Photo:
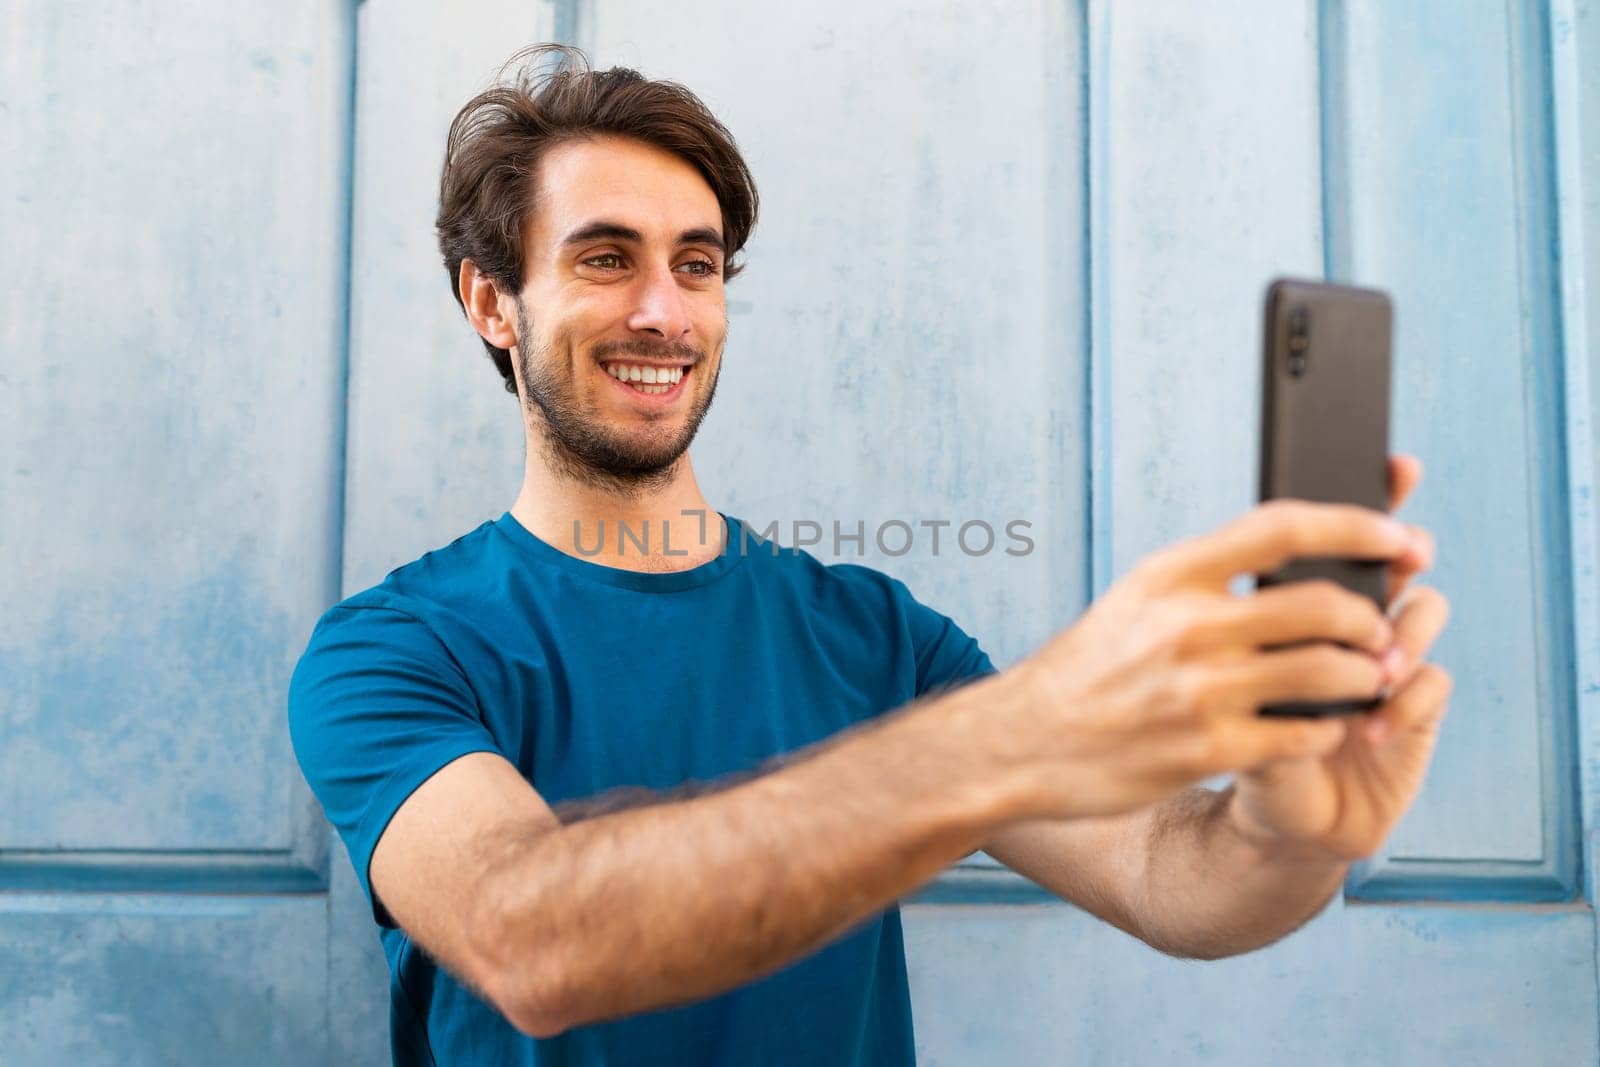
{"x":1299,"y":340}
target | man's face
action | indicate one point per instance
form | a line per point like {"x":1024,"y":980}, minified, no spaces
{"x":623,"y":278}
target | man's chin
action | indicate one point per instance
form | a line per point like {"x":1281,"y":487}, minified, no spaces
{"x":636,"y":459}
{"x":645,"y":465}
{"x":615,"y":448}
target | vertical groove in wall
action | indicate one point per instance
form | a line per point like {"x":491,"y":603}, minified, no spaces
{"x":1541,"y":391}
{"x":1097,"y":280}
{"x":1334,"y":169}
{"x":1333,"y":134}
{"x":341,"y":406}
{"x":347,"y":179}
{"x":569,"y":22}
{"x":1567,"y":152}
{"x":1559,"y":51}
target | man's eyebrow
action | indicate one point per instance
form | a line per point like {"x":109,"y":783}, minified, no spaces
{"x":615,"y":231}
{"x":602,"y":231}
{"x":703,"y":236}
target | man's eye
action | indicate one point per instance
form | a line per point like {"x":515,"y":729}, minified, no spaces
{"x":701,"y":268}
{"x":608,"y":261}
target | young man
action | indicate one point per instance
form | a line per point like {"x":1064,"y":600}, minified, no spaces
{"x":735,"y":904}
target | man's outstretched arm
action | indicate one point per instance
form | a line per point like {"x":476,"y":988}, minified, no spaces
{"x":1179,"y":876}
{"x":559,"y":924}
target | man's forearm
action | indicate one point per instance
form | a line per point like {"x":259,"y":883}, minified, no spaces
{"x":1207,"y":892}
{"x":673,"y":902}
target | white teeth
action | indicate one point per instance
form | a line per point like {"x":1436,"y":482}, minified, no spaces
{"x":646,"y":375}
{"x":650,"y":380}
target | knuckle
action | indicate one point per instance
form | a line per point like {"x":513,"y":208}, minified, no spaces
{"x":1336,"y":672}
{"x":1187,"y":632}
{"x":1437,"y":601}
{"x":1439,"y":679}
{"x":1376,"y":631}
{"x":1286,"y":520}
{"x":1277,"y":511}
{"x":1153,"y":571}
{"x":1325,"y":669}
{"x":1273,"y":522}
{"x":1364,"y":850}
{"x":1346,"y":612}
{"x":1426,"y":596}
{"x":1326,"y":592}
{"x":1187,"y":689}
{"x":1300,"y":527}
{"x":1371,"y":670}
{"x":1206,"y":751}
{"x":1318,"y":598}
{"x":1302,"y":740}
{"x":1215,"y":689}
{"x":1354,"y":606}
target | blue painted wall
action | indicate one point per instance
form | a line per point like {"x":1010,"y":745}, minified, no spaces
{"x":1008,"y":268}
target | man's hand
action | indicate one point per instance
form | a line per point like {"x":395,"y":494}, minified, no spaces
{"x":1158,"y":684}
{"x":1343,"y":804}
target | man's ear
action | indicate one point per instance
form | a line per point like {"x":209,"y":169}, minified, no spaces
{"x":491,"y":315}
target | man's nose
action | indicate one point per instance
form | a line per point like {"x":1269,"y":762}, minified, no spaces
{"x":660,"y":307}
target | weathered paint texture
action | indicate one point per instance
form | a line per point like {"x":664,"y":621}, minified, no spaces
{"x":1008,"y":269}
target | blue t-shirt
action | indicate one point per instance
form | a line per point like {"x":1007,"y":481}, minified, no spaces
{"x":589,"y":677}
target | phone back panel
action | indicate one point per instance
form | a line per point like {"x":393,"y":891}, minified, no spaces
{"x":1325,"y":420}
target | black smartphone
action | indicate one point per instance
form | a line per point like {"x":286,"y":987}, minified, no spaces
{"x":1325,"y":425}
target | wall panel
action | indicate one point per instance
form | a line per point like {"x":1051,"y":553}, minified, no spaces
{"x":171,"y":317}
{"x":1442,"y":194}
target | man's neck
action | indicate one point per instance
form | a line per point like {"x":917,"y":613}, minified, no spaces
{"x":665,"y":528}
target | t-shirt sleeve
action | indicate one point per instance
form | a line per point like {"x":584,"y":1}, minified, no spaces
{"x":377,"y":705}
{"x":946,"y":655}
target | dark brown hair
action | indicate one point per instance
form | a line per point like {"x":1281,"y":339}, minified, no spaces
{"x":551,"y":97}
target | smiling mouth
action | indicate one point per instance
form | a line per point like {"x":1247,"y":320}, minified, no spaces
{"x":646,"y":379}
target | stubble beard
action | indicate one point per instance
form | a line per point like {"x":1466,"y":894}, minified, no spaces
{"x":577,"y":444}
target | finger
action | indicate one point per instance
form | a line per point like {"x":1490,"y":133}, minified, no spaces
{"x":1418,"y":558}
{"x":1405,"y":472}
{"x":1303,"y":611}
{"x":1317,"y":673}
{"x":1269,"y":535}
{"x":1418,"y":707}
{"x":1418,"y":621}
{"x":1243,"y":744}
